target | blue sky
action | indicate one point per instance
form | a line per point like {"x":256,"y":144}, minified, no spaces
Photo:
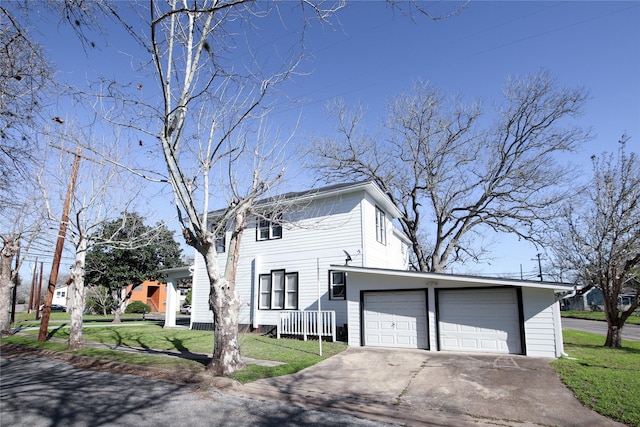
{"x":377,"y":52}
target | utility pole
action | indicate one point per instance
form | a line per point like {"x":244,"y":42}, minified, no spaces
{"x":538,"y":255}
{"x":33,"y":286}
{"x":16,"y":281}
{"x":39,"y":290}
{"x":55,"y":266}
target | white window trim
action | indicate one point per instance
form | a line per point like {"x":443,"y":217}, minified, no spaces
{"x":286,"y":290}
{"x":381,"y":226}
{"x":331,"y":285}
{"x":270,"y":227}
{"x":221,"y":238}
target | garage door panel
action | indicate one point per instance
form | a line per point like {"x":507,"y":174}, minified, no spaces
{"x":401,"y":319}
{"x":485,"y":320}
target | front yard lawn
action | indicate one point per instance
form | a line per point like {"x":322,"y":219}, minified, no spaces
{"x":604,"y":379}
{"x":294,"y":354}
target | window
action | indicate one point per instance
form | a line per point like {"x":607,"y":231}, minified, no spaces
{"x":381,"y":227}
{"x":279,"y":291}
{"x":268,"y":230}
{"x":221,"y":242}
{"x":337,"y":285}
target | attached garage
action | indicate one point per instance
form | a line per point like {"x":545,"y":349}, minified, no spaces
{"x":395,"y":319}
{"x":435,"y":311}
{"x":479,"y":320}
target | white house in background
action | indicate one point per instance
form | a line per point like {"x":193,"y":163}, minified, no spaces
{"x":61,"y":295}
{"x":285,"y":263}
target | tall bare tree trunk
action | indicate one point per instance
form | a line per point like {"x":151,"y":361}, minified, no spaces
{"x":10,"y":247}
{"x":225,"y":305}
{"x":77,"y":296}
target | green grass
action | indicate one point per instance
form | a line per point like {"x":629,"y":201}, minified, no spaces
{"x":604,"y":379}
{"x":597,"y":315}
{"x":28,"y":320}
{"x":294,"y":354}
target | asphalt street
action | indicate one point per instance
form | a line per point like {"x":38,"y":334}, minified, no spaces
{"x":629,"y":332}
{"x":38,"y":392}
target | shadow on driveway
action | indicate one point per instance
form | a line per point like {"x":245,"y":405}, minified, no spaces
{"x":417,"y":387}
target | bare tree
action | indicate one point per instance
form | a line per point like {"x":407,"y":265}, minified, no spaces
{"x":24,"y":78}
{"x":210,"y":127}
{"x":21,"y":228}
{"x":100,"y":187}
{"x":598,"y":239}
{"x":215,"y":76}
{"x":453,"y":180}
{"x":98,"y":298}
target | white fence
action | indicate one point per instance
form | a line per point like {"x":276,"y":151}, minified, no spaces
{"x":305,"y":323}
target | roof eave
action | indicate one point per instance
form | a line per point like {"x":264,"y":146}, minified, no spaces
{"x":453,"y":280}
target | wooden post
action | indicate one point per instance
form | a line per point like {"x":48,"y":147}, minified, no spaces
{"x":55,"y":266}
{"x":34,"y":279}
{"x":39,"y":290}
{"x":16,"y":280}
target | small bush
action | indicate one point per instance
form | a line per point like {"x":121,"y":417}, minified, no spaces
{"x":137,"y":307}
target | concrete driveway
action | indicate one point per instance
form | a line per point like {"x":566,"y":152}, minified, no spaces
{"x":415,"y":387}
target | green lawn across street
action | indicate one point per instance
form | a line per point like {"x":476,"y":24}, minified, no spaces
{"x":634,"y":319}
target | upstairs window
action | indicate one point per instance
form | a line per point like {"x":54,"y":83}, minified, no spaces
{"x":268,"y":229}
{"x":337,"y":285}
{"x":381,"y":226}
{"x":279,"y":291}
{"x":221,"y":241}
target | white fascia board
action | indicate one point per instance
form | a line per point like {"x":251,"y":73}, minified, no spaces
{"x":177,"y":271}
{"x":368,"y":186}
{"x":454,"y":280}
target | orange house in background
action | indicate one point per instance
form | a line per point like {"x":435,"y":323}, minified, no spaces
{"x":150,"y":292}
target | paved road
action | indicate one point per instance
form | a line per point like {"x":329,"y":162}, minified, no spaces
{"x":40,"y":392}
{"x":629,"y":332}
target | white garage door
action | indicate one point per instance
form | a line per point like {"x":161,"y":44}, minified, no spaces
{"x":395,"y":319}
{"x":484,"y":320}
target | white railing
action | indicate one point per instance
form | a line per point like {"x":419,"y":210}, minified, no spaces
{"x":305,"y":323}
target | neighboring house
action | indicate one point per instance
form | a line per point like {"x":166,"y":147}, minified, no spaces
{"x":60,"y":295}
{"x":284,"y":263}
{"x":150,"y":292}
{"x":340,"y":242}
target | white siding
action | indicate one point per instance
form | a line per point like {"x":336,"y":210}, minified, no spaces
{"x":539,"y":322}
{"x":543,"y":335}
{"x":393,"y":253}
{"x":200,"y":312}
{"x":320,"y":229}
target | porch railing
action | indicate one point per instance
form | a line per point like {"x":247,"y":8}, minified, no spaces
{"x":305,"y":323}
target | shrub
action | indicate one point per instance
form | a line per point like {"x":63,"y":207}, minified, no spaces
{"x":137,"y":307}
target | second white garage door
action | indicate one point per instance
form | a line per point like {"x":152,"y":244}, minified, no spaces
{"x":395,"y":319}
{"x":482,"y":320}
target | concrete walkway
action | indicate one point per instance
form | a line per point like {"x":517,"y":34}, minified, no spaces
{"x":421,"y":388}
{"x":415,"y":387}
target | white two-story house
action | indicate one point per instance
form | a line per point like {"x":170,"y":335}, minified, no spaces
{"x":285,"y":264}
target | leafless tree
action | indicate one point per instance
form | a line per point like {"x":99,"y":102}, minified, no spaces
{"x":101,"y":186}
{"x":25,"y":76}
{"x":598,"y":238}
{"x":99,"y":298}
{"x":453,"y":179}
{"x":216,"y":76}
{"x":21,"y":227}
